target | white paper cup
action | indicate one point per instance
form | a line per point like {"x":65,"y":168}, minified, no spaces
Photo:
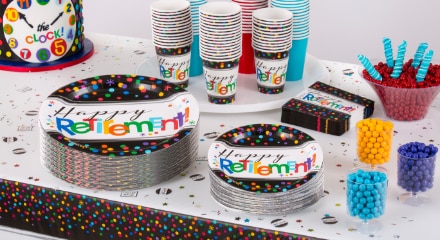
{"x":209,"y":37}
{"x":221,"y":57}
{"x":221,"y":81}
{"x":262,"y":23}
{"x":267,"y":32}
{"x":219,"y":33}
{"x":173,"y":7}
{"x":174,"y":64}
{"x":274,"y":39}
{"x":167,"y":9}
{"x":174,"y":35}
{"x":234,"y":23}
{"x":170,"y":40}
{"x":226,"y":56}
{"x":167,"y":23}
{"x":172,"y":44}
{"x":272,"y":30}
{"x":272,"y":43}
{"x":221,"y":22}
{"x":219,"y":39}
{"x":220,"y":9}
{"x":272,"y":15}
{"x":273,"y":25}
{"x":209,"y":44}
{"x":177,"y":28}
{"x":180,"y":28}
{"x":271,"y":71}
{"x":220,"y":50}
{"x":220,"y":30}
{"x":271,"y":48}
{"x":167,"y":16}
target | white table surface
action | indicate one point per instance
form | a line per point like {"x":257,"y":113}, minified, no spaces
{"x":24,"y":92}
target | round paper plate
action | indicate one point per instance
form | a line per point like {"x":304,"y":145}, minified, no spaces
{"x":118,"y":132}
{"x":119,"y":115}
{"x":265,"y":158}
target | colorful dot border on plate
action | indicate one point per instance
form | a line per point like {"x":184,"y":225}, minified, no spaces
{"x":112,"y":89}
{"x":265,"y":135}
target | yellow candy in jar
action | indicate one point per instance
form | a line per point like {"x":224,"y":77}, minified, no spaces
{"x":374,"y":139}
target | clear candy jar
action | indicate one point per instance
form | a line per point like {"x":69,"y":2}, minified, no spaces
{"x":366,"y":197}
{"x":415,"y":172}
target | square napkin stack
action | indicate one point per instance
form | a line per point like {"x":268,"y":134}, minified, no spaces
{"x":327,"y":109}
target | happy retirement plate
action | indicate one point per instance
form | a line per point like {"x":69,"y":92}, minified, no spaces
{"x":119,"y":114}
{"x":265,"y":158}
{"x":266,"y":169}
{"x":118,"y":132}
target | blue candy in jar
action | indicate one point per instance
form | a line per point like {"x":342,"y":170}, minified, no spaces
{"x":366,"y":193}
{"x":416,"y":166}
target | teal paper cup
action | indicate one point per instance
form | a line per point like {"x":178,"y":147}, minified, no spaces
{"x":196,"y":64}
{"x":297,"y":59}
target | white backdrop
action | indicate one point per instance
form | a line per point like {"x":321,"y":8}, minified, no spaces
{"x":340,"y":29}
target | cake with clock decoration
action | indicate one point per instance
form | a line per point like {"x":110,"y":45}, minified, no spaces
{"x":42,"y":34}
{"x":266,"y":169}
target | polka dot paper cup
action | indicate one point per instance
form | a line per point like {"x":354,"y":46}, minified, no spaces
{"x":415,"y":172}
{"x":271,"y":68}
{"x":174,"y":64}
{"x":221,"y":80}
{"x":366,"y":197}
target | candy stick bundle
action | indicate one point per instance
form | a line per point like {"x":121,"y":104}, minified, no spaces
{"x":421,"y":61}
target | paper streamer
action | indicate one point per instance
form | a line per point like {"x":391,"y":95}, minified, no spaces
{"x":421,"y":73}
{"x":369,"y":67}
{"x":388,"y":52}
{"x":399,"y":60}
{"x":418,"y":56}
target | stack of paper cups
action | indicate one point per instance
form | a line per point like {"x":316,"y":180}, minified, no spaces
{"x":196,"y":68}
{"x":172,"y":34}
{"x":271,"y":40}
{"x":300,"y":35}
{"x":220,"y":49}
{"x":247,"y":61}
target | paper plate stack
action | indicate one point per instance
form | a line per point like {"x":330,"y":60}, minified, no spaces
{"x":266,"y":169}
{"x":118,"y":132}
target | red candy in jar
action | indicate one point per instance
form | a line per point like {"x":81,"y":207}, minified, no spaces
{"x":404,"y":98}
